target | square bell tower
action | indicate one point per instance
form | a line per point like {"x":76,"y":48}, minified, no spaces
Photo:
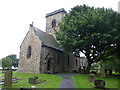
{"x":53,"y":19}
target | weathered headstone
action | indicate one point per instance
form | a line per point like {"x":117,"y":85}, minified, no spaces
{"x":91,"y":77}
{"x":82,"y":71}
{"x":8,"y":78}
{"x":33,"y":80}
{"x":99,"y":84}
{"x":102,"y":72}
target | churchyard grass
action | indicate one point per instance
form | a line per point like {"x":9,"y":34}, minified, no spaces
{"x":52,"y":81}
{"x":82,"y":81}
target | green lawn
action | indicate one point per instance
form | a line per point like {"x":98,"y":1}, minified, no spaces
{"x":52,"y":81}
{"x":82,"y":81}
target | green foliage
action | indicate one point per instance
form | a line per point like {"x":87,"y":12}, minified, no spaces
{"x":118,"y":38}
{"x":110,"y":59}
{"x":111,"y":62}
{"x":95,"y":66}
{"x":9,"y":61}
{"x":6,"y":62}
{"x":14,"y":60}
{"x":89,"y":30}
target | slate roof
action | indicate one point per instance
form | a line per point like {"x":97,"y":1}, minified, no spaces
{"x":55,"y":12}
{"x":47,"y":39}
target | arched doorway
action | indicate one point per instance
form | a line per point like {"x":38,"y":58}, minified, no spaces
{"x":50,"y":65}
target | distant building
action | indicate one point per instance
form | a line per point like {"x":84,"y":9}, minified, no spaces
{"x":40,"y":51}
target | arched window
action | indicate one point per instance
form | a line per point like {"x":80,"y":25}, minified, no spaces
{"x":29,"y":52}
{"x":76,"y":62}
{"x":68,"y":61}
{"x":53,"y":23}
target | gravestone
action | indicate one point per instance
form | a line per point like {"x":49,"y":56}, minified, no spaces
{"x":33,"y":80}
{"x":99,"y":84}
{"x":8,"y":78}
{"x":102,"y":72}
{"x":91,"y":77}
{"x":82,"y":71}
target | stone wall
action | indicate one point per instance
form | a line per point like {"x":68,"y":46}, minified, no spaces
{"x":58,"y":17}
{"x":31,"y":64}
{"x":77,"y":63}
{"x":55,"y":57}
{"x":68,"y":62}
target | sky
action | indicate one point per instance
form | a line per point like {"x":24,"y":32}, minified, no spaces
{"x":16,"y":15}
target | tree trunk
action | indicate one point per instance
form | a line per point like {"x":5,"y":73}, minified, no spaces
{"x":88,"y":67}
{"x":105,"y":70}
{"x":110,"y":72}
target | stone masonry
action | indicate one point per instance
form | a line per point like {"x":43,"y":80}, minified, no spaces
{"x":30,"y":64}
{"x":40,"y":51}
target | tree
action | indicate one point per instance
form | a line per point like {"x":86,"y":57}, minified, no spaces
{"x":118,"y":38}
{"x":111,"y":63}
{"x":6,"y":63}
{"x":89,"y":30}
{"x":111,"y":59}
{"x":14,"y":60}
{"x":9,"y":61}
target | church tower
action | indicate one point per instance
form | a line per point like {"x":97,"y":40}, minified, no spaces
{"x":53,"y":19}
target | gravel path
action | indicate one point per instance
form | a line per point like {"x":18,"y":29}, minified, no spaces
{"x":67,"y":81}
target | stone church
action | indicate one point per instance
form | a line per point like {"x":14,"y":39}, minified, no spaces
{"x":41,"y":53}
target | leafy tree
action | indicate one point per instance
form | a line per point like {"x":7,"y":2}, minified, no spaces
{"x":14,"y":60}
{"x":111,"y":64}
{"x":9,"y":61}
{"x":111,"y":60}
{"x":6,"y":63}
{"x":89,"y":30}
{"x":117,"y":50}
